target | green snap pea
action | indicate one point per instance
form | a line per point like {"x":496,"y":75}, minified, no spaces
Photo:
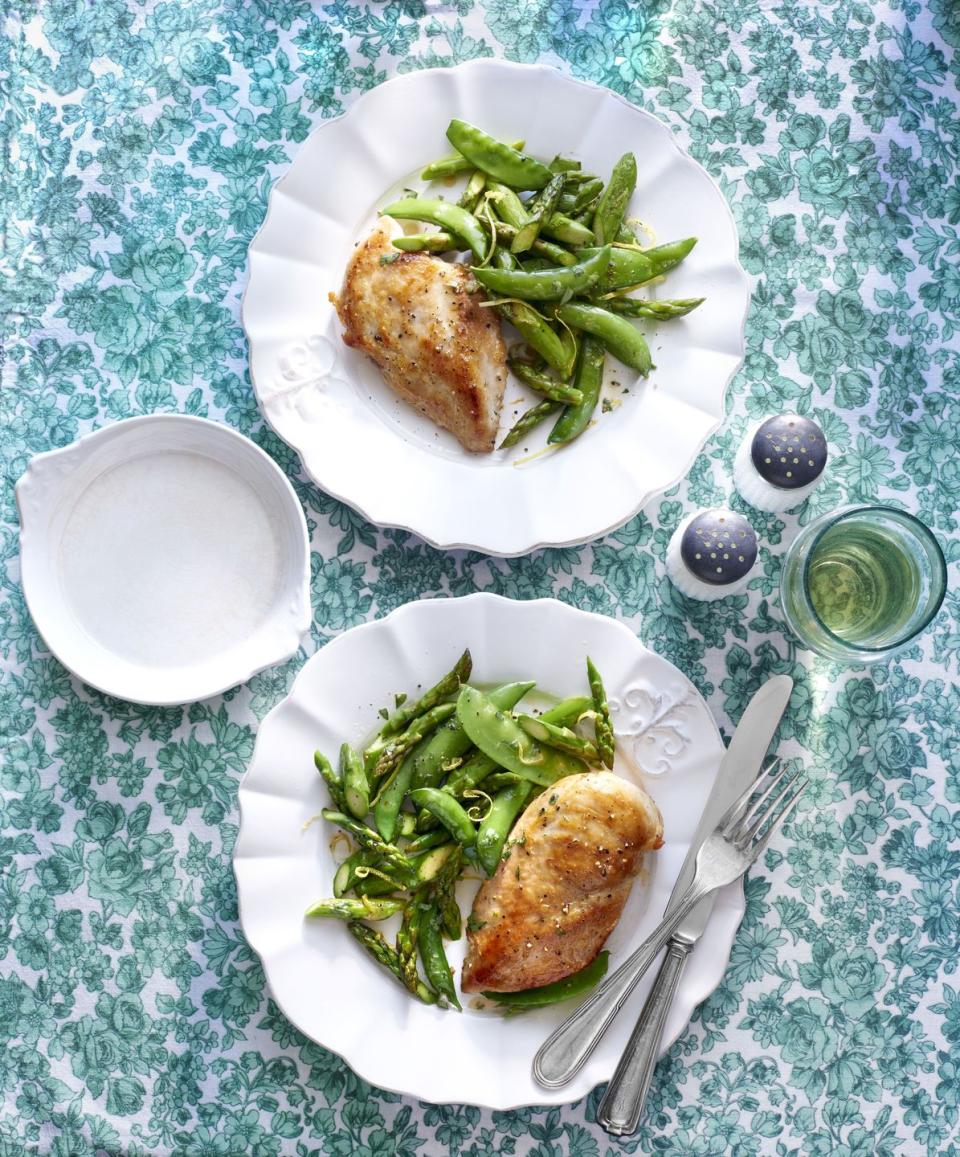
{"x":356,"y":789}
{"x":602,"y":721}
{"x":499,"y":780}
{"x":621,"y":338}
{"x":544,"y":383}
{"x":496,"y":158}
{"x":568,"y":711}
{"x":432,"y":862}
{"x":627,"y":267}
{"x":450,"y":218}
{"x":330,"y":777}
{"x":570,"y":232}
{"x":540,"y":209}
{"x":608,"y":215}
{"x":555,"y":254}
{"x":579,"y":984}
{"x":448,"y":685}
{"x":470,"y":775}
{"x":655,"y":310}
{"x":453,"y":165}
{"x":536,"y":332}
{"x":471,"y":195}
{"x":507,"y":205}
{"x":562,"y":738}
{"x":663,"y":258}
{"x":434,"y":959}
{"x":545,"y":284}
{"x":529,"y":421}
{"x":386,"y":810}
{"x":435,"y":757}
{"x":425,"y":842}
{"x":574,"y":202}
{"x":355,"y":909}
{"x":446,"y":809}
{"x":588,"y":380}
{"x":504,"y":740}
{"x":496,"y":825}
{"x":439,"y":242}
{"x":564,"y":165}
{"x":626,"y":234}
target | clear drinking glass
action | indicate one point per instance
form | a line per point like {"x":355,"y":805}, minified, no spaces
{"x":862,"y":582}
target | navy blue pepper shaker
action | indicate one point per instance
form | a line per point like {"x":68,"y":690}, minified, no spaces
{"x":780,"y":463}
{"x":712,"y":554}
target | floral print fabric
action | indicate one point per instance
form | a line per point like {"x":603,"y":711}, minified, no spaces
{"x":140,"y":140}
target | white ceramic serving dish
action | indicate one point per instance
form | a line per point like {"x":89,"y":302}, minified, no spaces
{"x":317,"y":973}
{"x":359,"y":442}
{"x":164,"y":558}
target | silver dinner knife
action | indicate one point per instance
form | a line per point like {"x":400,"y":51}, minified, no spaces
{"x":622,"y":1106}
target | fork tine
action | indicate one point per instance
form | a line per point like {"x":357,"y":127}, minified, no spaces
{"x":765,"y":806}
{"x":777,"y":821}
{"x":733,"y":815}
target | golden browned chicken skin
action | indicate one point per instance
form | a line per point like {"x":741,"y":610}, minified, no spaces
{"x":434,"y":344}
{"x":562,"y":884}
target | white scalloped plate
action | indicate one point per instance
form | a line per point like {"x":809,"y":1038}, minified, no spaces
{"x":359,"y":442}
{"x":164,"y":558}
{"x":321,"y":978}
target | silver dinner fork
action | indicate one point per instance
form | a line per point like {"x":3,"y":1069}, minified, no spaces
{"x":738,"y":839}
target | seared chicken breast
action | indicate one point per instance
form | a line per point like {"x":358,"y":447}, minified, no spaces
{"x":565,"y":877}
{"x":433,"y":343}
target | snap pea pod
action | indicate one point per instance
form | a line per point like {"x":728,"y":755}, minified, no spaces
{"x":435,"y":757}
{"x":425,"y":842}
{"x":386,"y":810}
{"x":446,"y":686}
{"x":572,"y":203}
{"x":501,"y":737}
{"x":545,"y":284}
{"x":562,"y":738}
{"x":507,"y":205}
{"x":496,"y":825}
{"x":453,"y":165}
{"x":568,"y":711}
{"x":374,"y":943}
{"x":471,"y":195}
{"x":588,"y":380}
{"x":499,"y":780}
{"x":532,"y":326}
{"x":570,"y":232}
{"x":539,"y":210}
{"x":529,"y":421}
{"x":631,"y":267}
{"x":602,"y":722}
{"x":545,"y":384}
{"x":439,"y":242}
{"x":356,"y":789}
{"x":470,"y":775}
{"x":330,"y":777}
{"x":432,"y":863}
{"x":656,"y":310}
{"x":608,"y":215}
{"x":450,"y":218}
{"x":579,"y":984}
{"x":398,"y":746}
{"x":345,"y":909}
{"x":368,"y":838}
{"x":434,"y":959}
{"x":556,"y":254}
{"x":496,"y":158}
{"x":621,"y":338}
{"x":446,"y":809}
{"x":564,"y":165}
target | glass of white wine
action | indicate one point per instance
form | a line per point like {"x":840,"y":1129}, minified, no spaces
{"x":860,"y":583}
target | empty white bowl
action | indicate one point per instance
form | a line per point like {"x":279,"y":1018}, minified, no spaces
{"x":164,"y":558}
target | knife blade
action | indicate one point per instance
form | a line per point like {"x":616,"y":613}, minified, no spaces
{"x":622,"y":1105}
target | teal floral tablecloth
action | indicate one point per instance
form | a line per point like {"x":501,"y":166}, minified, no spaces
{"x":140,"y":140}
